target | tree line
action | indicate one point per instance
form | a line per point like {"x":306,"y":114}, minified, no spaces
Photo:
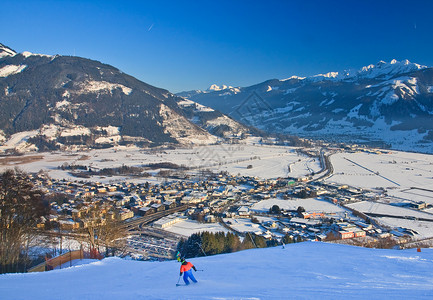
{"x":208,"y":243}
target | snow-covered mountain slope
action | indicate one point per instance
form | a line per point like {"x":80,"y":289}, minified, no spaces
{"x":300,"y":271}
{"x":55,"y":102}
{"x":6,"y":51}
{"x":388,"y":104}
{"x":212,"y":121}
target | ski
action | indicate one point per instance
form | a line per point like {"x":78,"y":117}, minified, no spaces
{"x":183,"y":284}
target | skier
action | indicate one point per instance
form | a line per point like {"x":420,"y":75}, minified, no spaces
{"x":185,"y":269}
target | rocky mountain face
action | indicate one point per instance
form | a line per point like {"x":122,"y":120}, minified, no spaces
{"x":56,"y":102}
{"x":387,"y":104}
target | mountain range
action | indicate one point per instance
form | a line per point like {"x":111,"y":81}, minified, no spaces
{"x":386,"y":104}
{"x":65,"y":102}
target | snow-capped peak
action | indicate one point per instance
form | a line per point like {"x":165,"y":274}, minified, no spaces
{"x":28,"y":54}
{"x":293,"y":77}
{"x":214,"y":87}
{"x":380,"y":69}
{"x":388,"y":69}
{"x":6,"y":51}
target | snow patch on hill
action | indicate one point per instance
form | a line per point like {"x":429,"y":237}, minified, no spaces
{"x":50,"y":131}
{"x":224,"y":120}
{"x":11,"y":70}
{"x":76,"y":131}
{"x":185,"y":102}
{"x":62,"y":103}
{"x":189,"y":134}
{"x":108,"y":139}
{"x":92,"y":86}
{"x":6,"y":51}
{"x":111,"y":130}
{"x":18,"y":141}
{"x":200,"y":107}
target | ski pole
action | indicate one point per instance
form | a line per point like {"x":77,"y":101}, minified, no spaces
{"x":178,"y":280}
{"x":200,"y":270}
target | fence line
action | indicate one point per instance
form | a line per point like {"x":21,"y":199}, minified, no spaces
{"x":52,"y":263}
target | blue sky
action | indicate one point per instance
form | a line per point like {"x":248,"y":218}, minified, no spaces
{"x":184,"y":45}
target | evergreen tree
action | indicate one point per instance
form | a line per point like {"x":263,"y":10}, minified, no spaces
{"x":232,"y":243}
{"x":247,"y":243}
{"x":259,"y":241}
{"x":209,"y":243}
{"x":190,"y":247}
{"x":272,"y":243}
{"x":299,"y":239}
{"x":300,"y":210}
{"x":287,"y":239}
{"x":275,"y":209}
{"x":220,"y":238}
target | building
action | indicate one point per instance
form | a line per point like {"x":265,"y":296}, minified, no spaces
{"x":68,"y":224}
{"x":345,"y":234}
{"x":312,"y":215}
{"x":145,"y":211}
{"x":209,"y":219}
{"x":169,"y":204}
{"x":167,"y":221}
{"x":194,"y":197}
{"x":359,"y":233}
{"x":420,"y":205}
{"x":243,"y":211}
{"x":125,"y":214}
{"x":157,"y":207}
{"x":364,"y":225}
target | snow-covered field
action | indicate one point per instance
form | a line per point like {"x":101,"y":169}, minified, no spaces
{"x":266,"y":161}
{"x":404,"y":217}
{"x":385,"y":209}
{"x":309,"y":270}
{"x":245,"y":224}
{"x":405,"y":177}
{"x":422,"y":228}
{"x":188,"y":227}
{"x":395,"y":171}
{"x":412,"y":194}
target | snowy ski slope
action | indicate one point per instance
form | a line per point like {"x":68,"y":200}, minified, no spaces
{"x":300,"y":271}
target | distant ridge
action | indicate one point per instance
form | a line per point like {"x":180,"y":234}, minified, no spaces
{"x":385,"y":104}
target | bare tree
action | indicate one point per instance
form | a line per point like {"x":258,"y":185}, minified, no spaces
{"x":21,"y":207}
{"x":103,"y":231}
{"x":113,"y":237}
